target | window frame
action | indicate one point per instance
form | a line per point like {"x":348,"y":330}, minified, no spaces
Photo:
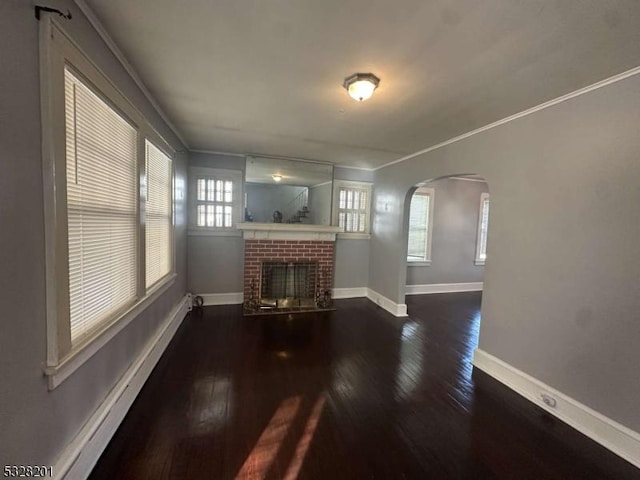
{"x":237,"y":202}
{"x":479,"y":261}
{"x":431,"y":193}
{"x":58,"y":51}
{"x":335,"y":210}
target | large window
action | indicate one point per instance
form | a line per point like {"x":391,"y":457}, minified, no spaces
{"x":352,"y":202}
{"x":216,"y":200}
{"x":108,"y":182}
{"x":158,"y":215}
{"x":101,"y":208}
{"x":420,"y":225}
{"x":483,"y":228}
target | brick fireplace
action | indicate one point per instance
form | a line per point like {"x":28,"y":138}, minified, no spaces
{"x":280,"y":251}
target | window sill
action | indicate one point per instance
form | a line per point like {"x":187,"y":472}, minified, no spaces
{"x":426,"y":263}
{"x":83,"y":352}
{"x":353,"y":236}
{"x":215,"y":233}
{"x":479,"y":263}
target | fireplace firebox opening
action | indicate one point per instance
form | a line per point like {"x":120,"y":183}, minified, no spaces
{"x":289,"y":286}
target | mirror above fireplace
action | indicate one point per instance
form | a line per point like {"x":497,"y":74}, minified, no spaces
{"x":279,"y":190}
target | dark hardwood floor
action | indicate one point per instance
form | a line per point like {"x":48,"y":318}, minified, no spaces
{"x":350,"y":394}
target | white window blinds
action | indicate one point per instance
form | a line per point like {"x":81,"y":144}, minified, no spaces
{"x":418,"y":227}
{"x":352,"y":209}
{"x":102,"y":178}
{"x":158,"y":215}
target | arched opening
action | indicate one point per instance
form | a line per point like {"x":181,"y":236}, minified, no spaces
{"x":446,"y":237}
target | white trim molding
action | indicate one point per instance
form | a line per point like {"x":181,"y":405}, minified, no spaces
{"x":467,"y":179}
{"x":351,"y":292}
{"x":287,"y":231}
{"x":354,"y":236}
{"x":234,"y":298}
{"x":395,"y":309}
{"x":411,"y":263}
{"x":57,"y":374}
{"x":621,"y":440}
{"x":351,"y":167}
{"x":216,"y":152}
{"x":444,"y":288}
{"x":81,"y":455}
{"x":603,"y":83}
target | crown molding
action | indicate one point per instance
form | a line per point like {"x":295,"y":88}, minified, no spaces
{"x":355,"y":168}
{"x":215,"y":152}
{"x":590,"y":88}
{"x":466,"y":179}
{"x":111,"y":44}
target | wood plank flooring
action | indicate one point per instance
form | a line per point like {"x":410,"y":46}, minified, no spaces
{"x":350,"y":394}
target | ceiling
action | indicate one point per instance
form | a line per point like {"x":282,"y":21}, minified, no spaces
{"x":264,"y":76}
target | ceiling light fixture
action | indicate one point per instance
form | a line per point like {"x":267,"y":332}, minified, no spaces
{"x":361,"y":85}
{"x":276,"y":177}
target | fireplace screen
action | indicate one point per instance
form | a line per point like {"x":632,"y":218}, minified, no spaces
{"x":284,"y":281}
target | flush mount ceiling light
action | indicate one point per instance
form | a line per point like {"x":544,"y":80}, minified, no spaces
{"x":361,"y":85}
{"x":276,"y":177}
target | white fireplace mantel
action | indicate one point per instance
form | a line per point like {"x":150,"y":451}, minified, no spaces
{"x":288,"y":231}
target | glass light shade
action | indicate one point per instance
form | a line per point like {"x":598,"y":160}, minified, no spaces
{"x":360,"y":86}
{"x":276,"y":178}
{"x":361,"y":90}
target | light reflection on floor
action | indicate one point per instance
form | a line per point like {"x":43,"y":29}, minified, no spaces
{"x":264,"y":453}
{"x":305,"y":441}
{"x":410,"y":366}
{"x":473,"y":334}
{"x":261,"y":459}
{"x":210,"y":404}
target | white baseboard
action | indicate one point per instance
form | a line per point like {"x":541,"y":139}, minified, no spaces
{"x":621,"y":440}
{"x":444,"y":288}
{"x":81,"y":455}
{"x":354,"y":292}
{"x":396,"y":309}
{"x":234,"y":298}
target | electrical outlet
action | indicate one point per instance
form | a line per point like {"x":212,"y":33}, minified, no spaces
{"x":548,"y":400}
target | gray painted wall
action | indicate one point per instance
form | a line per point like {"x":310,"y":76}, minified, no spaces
{"x":215,"y":160}
{"x":353,"y":174}
{"x":455,"y":226}
{"x":352,"y":256}
{"x":215,"y":263}
{"x":352,"y":263}
{"x":37,"y":424}
{"x":561,"y":292}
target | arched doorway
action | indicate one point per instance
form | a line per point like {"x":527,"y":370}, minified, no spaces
{"x":446,"y":235}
